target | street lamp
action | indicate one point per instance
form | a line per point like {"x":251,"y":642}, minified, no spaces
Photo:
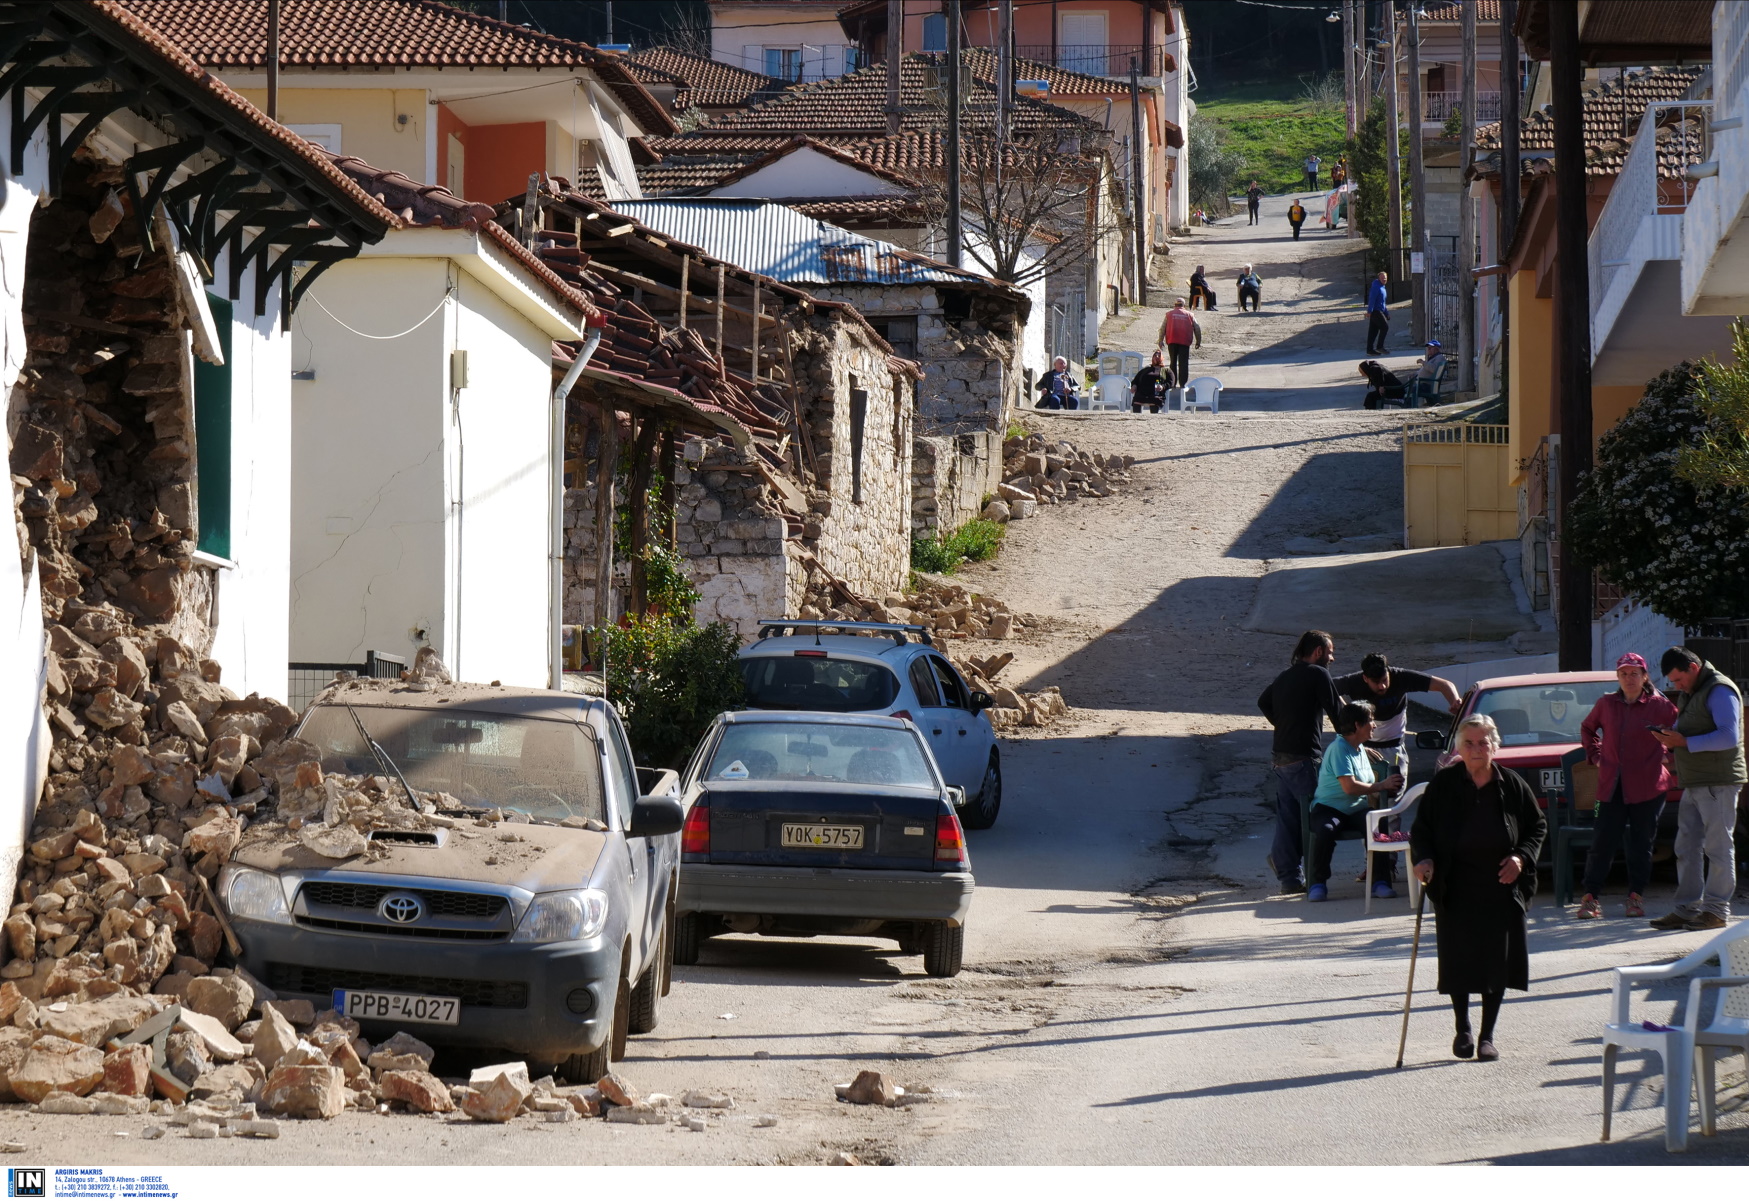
{"x":1333,"y":18}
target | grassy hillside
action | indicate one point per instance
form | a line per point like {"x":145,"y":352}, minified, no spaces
{"x":1274,"y":133}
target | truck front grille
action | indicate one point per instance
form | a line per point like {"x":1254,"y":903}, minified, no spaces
{"x":485,"y":994}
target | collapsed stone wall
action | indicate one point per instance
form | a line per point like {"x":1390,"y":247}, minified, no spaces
{"x":951,"y":477}
{"x":971,"y":358}
{"x":750,"y":551}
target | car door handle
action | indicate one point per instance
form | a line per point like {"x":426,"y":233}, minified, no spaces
{"x":937,"y":730}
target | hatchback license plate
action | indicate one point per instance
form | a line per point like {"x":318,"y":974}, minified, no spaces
{"x":361,"y":1005}
{"x":1552,"y":780}
{"x":847,"y":838}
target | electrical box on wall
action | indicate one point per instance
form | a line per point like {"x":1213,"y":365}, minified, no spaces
{"x":458,"y":368}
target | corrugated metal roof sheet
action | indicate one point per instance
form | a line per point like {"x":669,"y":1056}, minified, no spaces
{"x":776,"y":240}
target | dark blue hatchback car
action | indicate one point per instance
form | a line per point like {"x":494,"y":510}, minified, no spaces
{"x":822,"y":823}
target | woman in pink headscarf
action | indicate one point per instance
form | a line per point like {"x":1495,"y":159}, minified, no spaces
{"x":1633,"y":774}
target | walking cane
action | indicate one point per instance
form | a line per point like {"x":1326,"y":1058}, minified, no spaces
{"x":1414,"y":951}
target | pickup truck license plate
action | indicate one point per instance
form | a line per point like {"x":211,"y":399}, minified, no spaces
{"x":1552,"y":781}
{"x":845,"y":838}
{"x":361,"y":1005}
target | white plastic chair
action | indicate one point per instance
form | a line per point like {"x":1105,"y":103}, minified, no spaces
{"x":1203,"y":392}
{"x":1111,"y":392}
{"x":1374,"y":819}
{"x":1687,"y":1051}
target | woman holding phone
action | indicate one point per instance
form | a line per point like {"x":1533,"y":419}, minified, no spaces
{"x":1633,"y":774}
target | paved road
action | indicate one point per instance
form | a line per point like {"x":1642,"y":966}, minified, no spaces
{"x":1134,"y":993}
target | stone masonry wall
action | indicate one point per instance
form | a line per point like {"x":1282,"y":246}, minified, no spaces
{"x":950,"y":477}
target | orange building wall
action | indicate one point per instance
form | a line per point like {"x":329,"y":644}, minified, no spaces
{"x":1032,"y":22}
{"x":501,"y":158}
{"x":448,"y":123}
{"x":1610,"y":403}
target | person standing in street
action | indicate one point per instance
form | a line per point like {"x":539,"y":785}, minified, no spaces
{"x":1296,"y":703}
{"x":1150,"y":386}
{"x":1378,"y":314}
{"x":1708,"y":741}
{"x":1296,"y":217}
{"x":1346,"y":783}
{"x":1253,"y":202}
{"x":1632,"y":778}
{"x":1474,"y":844}
{"x":1057,"y":388}
{"x":1177,"y":330}
{"x":1312,"y":164}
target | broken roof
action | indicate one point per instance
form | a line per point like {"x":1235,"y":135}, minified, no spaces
{"x":1612,"y":113}
{"x":377,"y":35}
{"x":786,"y":245}
{"x":421,"y":205}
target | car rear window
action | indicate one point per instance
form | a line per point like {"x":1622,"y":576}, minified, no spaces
{"x":1541,"y":714}
{"x":546,"y":769}
{"x":814,"y":683}
{"x":824,"y":752}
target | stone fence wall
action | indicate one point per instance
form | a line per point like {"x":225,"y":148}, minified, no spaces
{"x":951,"y":475}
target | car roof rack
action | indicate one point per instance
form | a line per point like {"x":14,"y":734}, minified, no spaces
{"x":781,"y":626}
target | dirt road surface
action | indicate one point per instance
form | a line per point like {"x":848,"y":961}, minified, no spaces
{"x":1134,"y":993}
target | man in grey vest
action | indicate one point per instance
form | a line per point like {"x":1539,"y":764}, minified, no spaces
{"x":1708,"y":742}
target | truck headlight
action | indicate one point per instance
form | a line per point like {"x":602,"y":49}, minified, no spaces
{"x":563,"y":917}
{"x":254,"y":895}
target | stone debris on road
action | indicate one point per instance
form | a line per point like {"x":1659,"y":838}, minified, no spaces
{"x":1047,"y":471}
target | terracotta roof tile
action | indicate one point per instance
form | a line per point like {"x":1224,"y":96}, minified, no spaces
{"x":851,"y":209}
{"x":702,"y":82}
{"x":116,"y":20}
{"x":421,"y":205}
{"x":1452,"y":14}
{"x":374,"y":34}
{"x":1612,"y":117}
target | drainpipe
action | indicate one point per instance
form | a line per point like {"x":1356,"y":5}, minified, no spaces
{"x":556,"y":504}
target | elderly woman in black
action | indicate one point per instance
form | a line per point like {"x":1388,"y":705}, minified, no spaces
{"x":1474,"y":845}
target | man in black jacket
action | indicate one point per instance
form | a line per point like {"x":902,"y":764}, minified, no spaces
{"x":1150,"y":386}
{"x":1296,"y":703}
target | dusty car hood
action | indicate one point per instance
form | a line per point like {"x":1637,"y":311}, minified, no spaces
{"x":536,"y":858}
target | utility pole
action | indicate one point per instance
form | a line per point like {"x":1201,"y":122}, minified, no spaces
{"x":609,"y":7}
{"x":1417,"y":183}
{"x":1354,"y":30}
{"x":1004,"y":69}
{"x":273,"y":60}
{"x":1572,"y":329}
{"x":1466,"y":253}
{"x":895,"y":63}
{"x":1394,"y":147}
{"x":955,"y":234}
{"x":1508,"y":182}
{"x":1348,"y":64}
{"x":1138,"y":146}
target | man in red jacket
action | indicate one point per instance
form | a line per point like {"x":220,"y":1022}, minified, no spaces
{"x":1177,"y":330}
{"x":1633,"y":774}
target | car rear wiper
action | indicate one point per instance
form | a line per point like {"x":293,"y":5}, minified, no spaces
{"x":382,"y":757}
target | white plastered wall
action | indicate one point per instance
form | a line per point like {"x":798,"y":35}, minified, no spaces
{"x":251,"y":638}
{"x":370,"y":484}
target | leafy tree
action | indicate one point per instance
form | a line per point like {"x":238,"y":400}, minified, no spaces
{"x":1371,"y":172}
{"x":1721,"y":457}
{"x":1679,"y":547}
{"x":669,"y":681}
{"x":1214,"y":167}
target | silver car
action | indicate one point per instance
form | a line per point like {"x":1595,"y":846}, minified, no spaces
{"x":532,"y":911}
{"x":874,"y":667}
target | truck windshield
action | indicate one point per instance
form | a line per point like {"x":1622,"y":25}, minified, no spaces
{"x":824,"y":753}
{"x":545,"y":769}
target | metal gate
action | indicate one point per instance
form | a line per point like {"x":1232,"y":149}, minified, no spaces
{"x":306,"y":680}
{"x":1444,"y":301}
{"x":1457,"y":486}
{"x":1067,"y":333}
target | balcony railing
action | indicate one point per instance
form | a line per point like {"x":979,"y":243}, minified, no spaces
{"x":1641,"y":220}
{"x":1439,"y":106}
{"x":1113,"y":61}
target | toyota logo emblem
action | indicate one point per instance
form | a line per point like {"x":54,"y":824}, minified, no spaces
{"x":402,"y":908}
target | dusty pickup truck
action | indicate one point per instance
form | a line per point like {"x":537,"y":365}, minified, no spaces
{"x":523,"y":901}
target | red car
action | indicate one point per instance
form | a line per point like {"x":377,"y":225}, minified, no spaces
{"x":1538,"y":717}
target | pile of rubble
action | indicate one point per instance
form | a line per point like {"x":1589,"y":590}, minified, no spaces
{"x":945,"y":608}
{"x":1036,"y":471}
{"x":1013,"y":707}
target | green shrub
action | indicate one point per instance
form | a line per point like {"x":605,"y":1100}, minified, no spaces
{"x":668,"y":681}
{"x":976,"y":540}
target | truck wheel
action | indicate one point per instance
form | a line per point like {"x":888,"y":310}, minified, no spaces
{"x":981,"y":813}
{"x":943,"y":947}
{"x":641,"y":1016}
{"x":622,"y":1025}
{"x":688,"y":934}
{"x":586,"y":1067}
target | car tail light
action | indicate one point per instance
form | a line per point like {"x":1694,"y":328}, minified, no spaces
{"x":950,"y":844}
{"x":695,"y":835}
{"x":811,"y":654}
{"x":903,"y":714}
